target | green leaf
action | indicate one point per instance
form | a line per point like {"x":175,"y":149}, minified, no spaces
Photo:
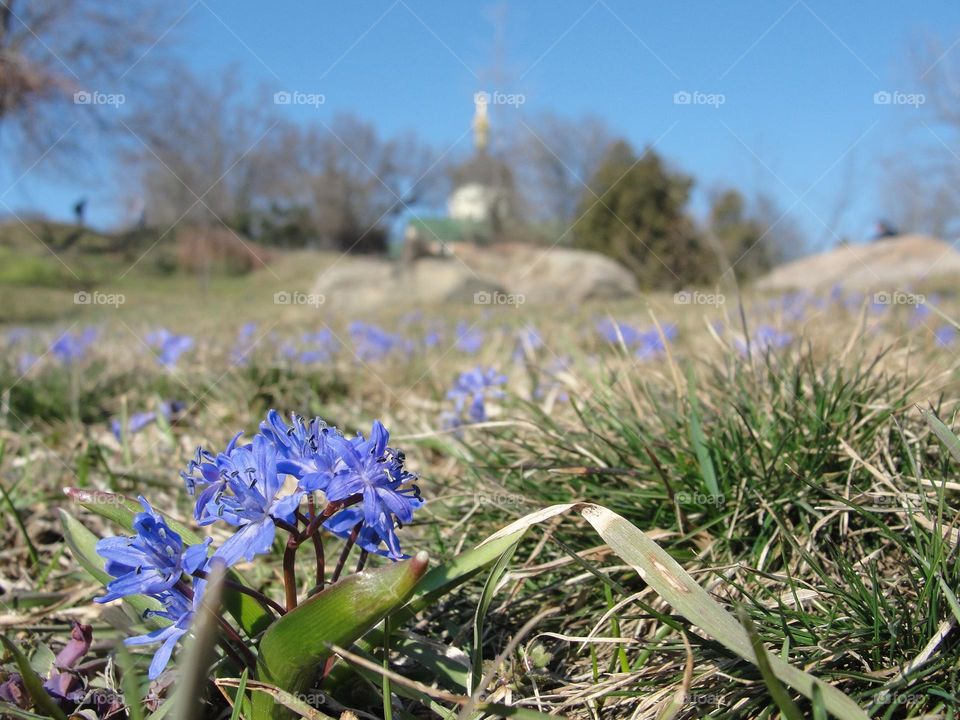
{"x":132,"y":697}
{"x":83,"y":545}
{"x":294,"y":649}
{"x":486,"y":597}
{"x":200,"y":652}
{"x":15,"y":712}
{"x":438,"y":582}
{"x":248,"y":613}
{"x":680,"y":590}
{"x":31,"y":681}
{"x":122,"y":510}
{"x":788,"y":708}
{"x":443,"y":579}
{"x":700,"y":442}
{"x":238,"y":698}
{"x":510,"y":711}
{"x":945,"y":434}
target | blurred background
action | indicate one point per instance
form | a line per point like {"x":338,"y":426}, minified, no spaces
{"x":465,"y":149}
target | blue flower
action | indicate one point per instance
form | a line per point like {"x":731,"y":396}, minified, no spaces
{"x":203,"y":469}
{"x":945,"y":335}
{"x":246,"y":495}
{"x":471,"y":390}
{"x":766,"y":338}
{"x":303,"y":449}
{"x":245,"y":344}
{"x":375,"y":472}
{"x":646,"y":344}
{"x":528,"y":342}
{"x":69,"y":348}
{"x":374,"y":343}
{"x":179,"y":611}
{"x":151,"y":561}
{"x":369,"y":538}
{"x":169,"y":346}
{"x":469,"y":339}
{"x":138,"y":421}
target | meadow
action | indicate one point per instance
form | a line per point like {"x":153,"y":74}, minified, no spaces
{"x":792,"y":454}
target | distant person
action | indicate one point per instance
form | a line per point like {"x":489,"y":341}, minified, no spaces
{"x":79,"y":209}
{"x":884,"y":229}
{"x":140,"y":213}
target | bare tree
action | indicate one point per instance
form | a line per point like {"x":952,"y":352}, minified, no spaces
{"x":70,"y":63}
{"x":356,"y":182}
{"x":204,"y":151}
{"x":556,"y":160}
{"x":922,"y":190}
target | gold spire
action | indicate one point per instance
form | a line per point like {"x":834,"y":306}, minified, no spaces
{"x":481,"y":123}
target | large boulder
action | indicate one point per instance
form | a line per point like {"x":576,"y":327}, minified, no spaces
{"x":474,"y":274}
{"x":367,"y":282}
{"x":549,"y":275}
{"x":894,"y":263}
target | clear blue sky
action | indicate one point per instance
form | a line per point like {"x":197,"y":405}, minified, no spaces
{"x":798,"y":80}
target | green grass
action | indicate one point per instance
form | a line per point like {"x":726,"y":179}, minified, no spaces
{"x":802,"y":486}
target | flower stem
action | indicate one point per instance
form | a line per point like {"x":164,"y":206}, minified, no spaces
{"x":266,"y":602}
{"x":347,"y":547}
{"x":246,"y":657}
{"x":321,"y":559}
{"x":290,"y":571}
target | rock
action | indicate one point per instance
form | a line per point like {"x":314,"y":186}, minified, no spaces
{"x":549,"y":274}
{"x":368,"y":282}
{"x":471,"y":273}
{"x":895,"y":263}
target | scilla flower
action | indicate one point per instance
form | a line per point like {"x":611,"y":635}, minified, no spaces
{"x":179,"y":611}
{"x":247,"y":495}
{"x":151,"y":561}
{"x":370,"y":469}
{"x":303,"y":448}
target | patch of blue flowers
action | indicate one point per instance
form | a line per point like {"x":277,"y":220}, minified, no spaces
{"x":645,"y":344}
{"x":169,"y":346}
{"x":470,"y":393}
{"x":305,"y":479}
